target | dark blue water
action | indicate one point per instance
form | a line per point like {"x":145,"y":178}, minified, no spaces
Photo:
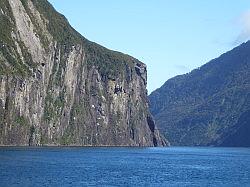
{"x":124,"y":166}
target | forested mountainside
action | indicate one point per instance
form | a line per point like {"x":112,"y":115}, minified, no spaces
{"x":208,"y":106}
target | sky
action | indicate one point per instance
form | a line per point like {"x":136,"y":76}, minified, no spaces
{"x":171,"y":37}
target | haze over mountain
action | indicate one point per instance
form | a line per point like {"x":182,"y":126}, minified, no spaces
{"x":208,"y":106}
{"x":58,"y":88}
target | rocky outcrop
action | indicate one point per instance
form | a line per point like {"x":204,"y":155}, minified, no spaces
{"x":208,"y":106}
{"x":58,"y":88}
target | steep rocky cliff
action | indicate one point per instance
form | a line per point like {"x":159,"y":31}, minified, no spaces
{"x":58,"y":88}
{"x":210,"y":105}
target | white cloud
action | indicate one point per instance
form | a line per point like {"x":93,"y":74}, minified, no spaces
{"x":182,"y":68}
{"x":244,"y":22}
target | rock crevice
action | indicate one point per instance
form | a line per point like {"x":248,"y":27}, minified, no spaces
{"x":58,"y":88}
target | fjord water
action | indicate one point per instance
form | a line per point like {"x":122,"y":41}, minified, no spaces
{"x":175,"y":166}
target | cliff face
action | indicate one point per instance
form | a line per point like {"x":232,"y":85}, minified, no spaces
{"x":58,"y":88}
{"x":210,"y":105}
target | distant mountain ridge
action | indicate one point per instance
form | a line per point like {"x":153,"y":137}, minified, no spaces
{"x":208,"y":106}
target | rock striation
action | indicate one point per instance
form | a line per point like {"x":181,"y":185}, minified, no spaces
{"x":58,"y":88}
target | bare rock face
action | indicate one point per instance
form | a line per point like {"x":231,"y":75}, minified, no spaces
{"x":58,"y":88}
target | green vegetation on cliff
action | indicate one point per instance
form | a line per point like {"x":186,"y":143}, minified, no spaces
{"x":58,"y":88}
